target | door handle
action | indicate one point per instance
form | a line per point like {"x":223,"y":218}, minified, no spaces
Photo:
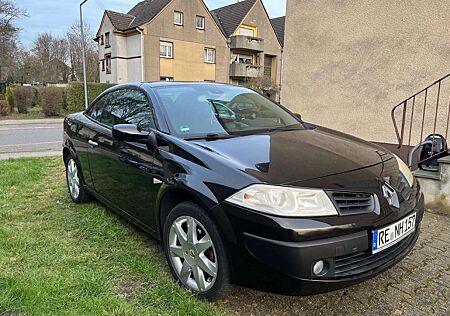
{"x":92,"y":143}
{"x":134,"y":163}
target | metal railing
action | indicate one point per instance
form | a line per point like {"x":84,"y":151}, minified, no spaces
{"x":424,"y":109}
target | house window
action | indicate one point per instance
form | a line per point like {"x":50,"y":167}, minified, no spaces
{"x":102,"y":41}
{"x":165,"y":49}
{"x":103,"y":65}
{"x":243,"y":59}
{"x":166,"y":78}
{"x":107,"y":40}
{"x":246,"y":31}
{"x":200,"y":22}
{"x":178,"y":18}
{"x":210,"y":55}
{"x":108,"y":63}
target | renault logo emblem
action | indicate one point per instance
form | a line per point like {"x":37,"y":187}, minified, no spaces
{"x":390,"y":195}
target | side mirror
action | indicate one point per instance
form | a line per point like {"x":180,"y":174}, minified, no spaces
{"x":152,"y":140}
{"x":128,"y":133}
{"x":299,"y":116}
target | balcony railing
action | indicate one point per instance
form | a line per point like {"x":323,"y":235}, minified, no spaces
{"x":249,"y":43}
{"x":246,"y":71}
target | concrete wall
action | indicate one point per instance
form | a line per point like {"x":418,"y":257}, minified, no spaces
{"x":436,"y":186}
{"x":347,"y":63}
{"x":189,"y":43}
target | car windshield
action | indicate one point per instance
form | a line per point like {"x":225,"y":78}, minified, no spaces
{"x":212,"y":110}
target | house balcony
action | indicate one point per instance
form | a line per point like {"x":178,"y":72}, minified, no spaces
{"x":246,"y":71}
{"x":249,"y":43}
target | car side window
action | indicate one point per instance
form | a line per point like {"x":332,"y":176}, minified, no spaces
{"x":96,"y":110}
{"x":126,"y":106}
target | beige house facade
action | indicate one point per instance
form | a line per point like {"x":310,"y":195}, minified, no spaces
{"x":184,"y":41}
{"x":179,"y":40}
{"x":348,"y":63}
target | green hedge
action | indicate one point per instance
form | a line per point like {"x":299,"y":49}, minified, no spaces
{"x":10,"y":98}
{"x":74,"y":95}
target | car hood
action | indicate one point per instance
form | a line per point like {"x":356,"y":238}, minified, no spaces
{"x":287,"y":157}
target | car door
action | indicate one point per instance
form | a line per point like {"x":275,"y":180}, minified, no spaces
{"x":122,"y":172}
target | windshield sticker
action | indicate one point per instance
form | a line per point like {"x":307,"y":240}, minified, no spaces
{"x":185,"y":128}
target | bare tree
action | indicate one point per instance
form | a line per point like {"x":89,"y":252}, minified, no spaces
{"x":264,"y":85}
{"x":28,"y":67}
{"x":52,"y":55}
{"x":8,"y":14}
{"x":75,"y":41}
{"x":9,"y":33}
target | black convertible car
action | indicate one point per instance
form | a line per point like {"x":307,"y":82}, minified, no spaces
{"x":265,"y":200}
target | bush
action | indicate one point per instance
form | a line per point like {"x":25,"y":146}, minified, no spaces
{"x":10,"y":98}
{"x":2,"y":96}
{"x":36,"y":97}
{"x":4,"y":108}
{"x":23,"y":98}
{"x":52,"y":100}
{"x":75,"y":94}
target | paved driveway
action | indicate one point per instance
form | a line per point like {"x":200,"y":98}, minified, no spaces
{"x":418,"y":285}
{"x":30,"y":138}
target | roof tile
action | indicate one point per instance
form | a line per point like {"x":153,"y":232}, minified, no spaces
{"x":230,"y":17}
{"x":279,"y":25}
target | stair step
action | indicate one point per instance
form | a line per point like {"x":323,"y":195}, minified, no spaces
{"x":444,"y":160}
{"x":427,"y":174}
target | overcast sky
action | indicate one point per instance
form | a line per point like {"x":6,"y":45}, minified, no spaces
{"x":55,"y":16}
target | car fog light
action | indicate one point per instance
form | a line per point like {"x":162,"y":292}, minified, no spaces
{"x":319,"y":267}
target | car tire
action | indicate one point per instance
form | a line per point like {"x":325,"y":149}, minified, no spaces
{"x":75,"y":184}
{"x":198,"y":261}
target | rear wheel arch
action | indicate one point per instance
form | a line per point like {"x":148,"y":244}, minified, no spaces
{"x":69,"y":151}
{"x":66,"y":154}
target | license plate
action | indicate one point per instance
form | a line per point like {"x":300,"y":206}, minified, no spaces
{"x":388,"y":236}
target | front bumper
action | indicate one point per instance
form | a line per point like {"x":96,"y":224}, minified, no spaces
{"x":287,"y":265}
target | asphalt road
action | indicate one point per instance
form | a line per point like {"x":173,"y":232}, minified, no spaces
{"x":30,"y":138}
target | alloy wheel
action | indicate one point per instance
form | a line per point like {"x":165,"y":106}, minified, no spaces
{"x":193,"y":254}
{"x":73,"y":179}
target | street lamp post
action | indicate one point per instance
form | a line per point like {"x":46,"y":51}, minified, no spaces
{"x":83,"y":48}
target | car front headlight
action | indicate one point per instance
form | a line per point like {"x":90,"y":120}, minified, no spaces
{"x":404,"y":169}
{"x":284,"y":201}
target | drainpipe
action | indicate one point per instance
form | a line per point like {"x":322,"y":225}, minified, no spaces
{"x":229,"y":59}
{"x":142,"y":55}
{"x":281,"y":74}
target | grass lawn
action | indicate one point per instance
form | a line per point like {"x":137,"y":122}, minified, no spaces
{"x":33,"y":113}
{"x":59,"y":258}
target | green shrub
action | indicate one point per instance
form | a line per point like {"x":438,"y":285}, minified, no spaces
{"x":65,"y":98}
{"x":52,"y":100}
{"x":4,"y":108}
{"x":10,"y":98}
{"x":2,"y":96}
{"x":23,"y":98}
{"x":75,"y":94}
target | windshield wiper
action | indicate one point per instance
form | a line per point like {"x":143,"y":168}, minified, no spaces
{"x":284,"y":129}
{"x":211,"y":136}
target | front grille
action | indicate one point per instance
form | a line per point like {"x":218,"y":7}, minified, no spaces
{"x":353,"y":203}
{"x":362,"y":262}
